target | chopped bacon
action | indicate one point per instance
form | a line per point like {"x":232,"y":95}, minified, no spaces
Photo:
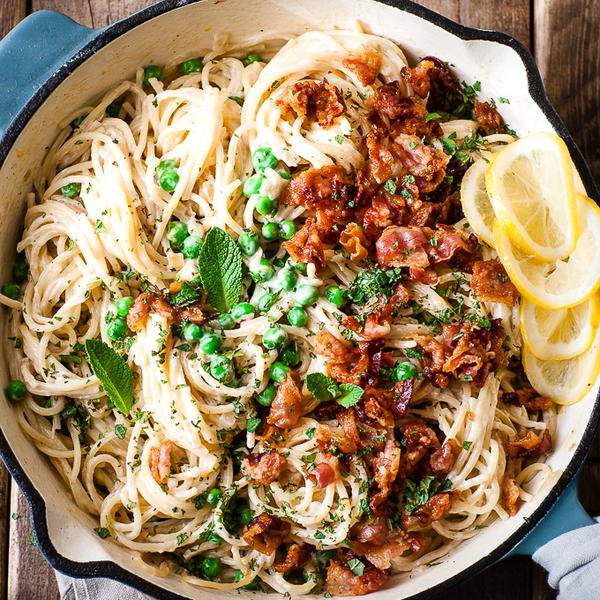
{"x":385,"y":469}
{"x":347,"y":420}
{"x":138,"y":313}
{"x":374,"y":408}
{"x":365,"y":63}
{"x":354,"y":241}
{"x":327,"y":439}
{"x":316,"y":99}
{"x":528,"y":398}
{"x":444,"y":89}
{"x":305,"y":245}
{"x":341,"y":581}
{"x":403,"y":393}
{"x":297,"y":556}
{"x":265,"y":533}
{"x":286,"y":408}
{"x":264,"y":467}
{"x":402,"y":247}
{"x":418,"y":77}
{"x":326,"y":472}
{"x":489,"y":119}
{"x":383,"y":212}
{"x":490,"y":283}
{"x":145,"y":302}
{"x":420,"y":441}
{"x":192,"y":313}
{"x":443,"y":459}
{"x":346,"y":364}
{"x":160,"y":461}
{"x":381,"y":159}
{"x":372,"y":529}
{"x":388,"y":100}
{"x":446,"y":243}
{"x":530,"y":445}
{"x":437,"y":507}
{"x":510,"y":495}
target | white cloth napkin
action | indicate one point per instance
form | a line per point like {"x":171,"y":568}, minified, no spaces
{"x":95,"y":589}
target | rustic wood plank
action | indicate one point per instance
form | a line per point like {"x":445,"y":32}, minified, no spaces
{"x":4,"y":525}
{"x":569,"y":65}
{"x":29,"y":575}
{"x":11,"y":12}
{"x":448,"y":8}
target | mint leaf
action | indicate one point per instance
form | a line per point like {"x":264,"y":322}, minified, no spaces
{"x":186,"y":295}
{"x":432,"y":116}
{"x":351,"y":394}
{"x":323,"y":388}
{"x":220,"y":266}
{"x":356,"y":566}
{"x":113,"y":372}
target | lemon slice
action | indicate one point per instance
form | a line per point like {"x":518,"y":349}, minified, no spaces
{"x":475,"y":201}
{"x":562,"y":283}
{"x":559,"y":334}
{"x":532,"y":191}
{"x":565,"y":381}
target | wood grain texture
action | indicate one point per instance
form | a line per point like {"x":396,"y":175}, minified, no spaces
{"x":11,"y":12}
{"x":4,"y":528}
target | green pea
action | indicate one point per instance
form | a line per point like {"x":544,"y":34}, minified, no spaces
{"x":248,"y":242}
{"x":274,"y":337}
{"x":297,"y":317}
{"x":252,"y":58}
{"x":278,"y":371}
{"x":122,"y":305}
{"x":191,"y":246}
{"x":253,"y":184}
{"x":243,"y":311}
{"x":224,"y":321}
{"x":20,"y":268}
{"x":71,"y":190}
{"x":299,"y":266}
{"x":266,"y":301}
{"x":287,"y":279}
{"x":214,"y":496}
{"x":221,"y":368}
{"x":245,"y":515}
{"x":15,"y":390}
{"x":253,"y":585}
{"x":11,"y":289}
{"x":210,"y":343}
{"x":210,"y":567}
{"x":287,"y":229}
{"x":284,"y":174}
{"x":263,"y":272}
{"x":192,"y":332}
{"x":117,"y":329}
{"x":168,"y":181}
{"x":306,"y":294}
{"x":113,"y":109}
{"x":177,"y":232}
{"x":266,"y":397}
{"x":404,"y":370}
{"x":152,"y":72}
{"x":266,"y":206}
{"x":290,"y":355}
{"x":166,"y":165}
{"x":336,"y":295}
{"x":191,"y":65}
{"x":263,"y":158}
{"x":270,"y":231}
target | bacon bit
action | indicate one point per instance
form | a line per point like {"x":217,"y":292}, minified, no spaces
{"x":327,"y":439}
{"x":192,"y":313}
{"x":297,"y":556}
{"x":402,"y":247}
{"x":435,"y":508}
{"x":489,"y":119}
{"x":530,"y":445}
{"x":346,"y":364}
{"x":418,"y":77}
{"x":174,"y":287}
{"x":347,"y":420}
{"x":315,"y":99}
{"x":383,"y":212}
{"x":510,"y":495}
{"x":385,"y":470}
{"x":305,"y":245}
{"x":341,"y":581}
{"x":145,"y":302}
{"x":160,"y":462}
{"x":286,"y":408}
{"x":373,"y":529}
{"x":381,"y":160}
{"x":449,"y":243}
{"x":264,"y":467}
{"x":443,"y":86}
{"x":528,"y":398}
{"x":365,"y":63}
{"x":388,"y":100}
{"x":326,"y":472}
{"x":420,"y":441}
{"x":373,"y":407}
{"x":471,"y":415}
{"x":138,"y":313}
{"x":403,"y":393}
{"x":443,"y":459}
{"x":490,"y":283}
{"x":265,"y":533}
{"x":353,"y":240}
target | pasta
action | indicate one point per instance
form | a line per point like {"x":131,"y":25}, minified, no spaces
{"x":202,"y":475}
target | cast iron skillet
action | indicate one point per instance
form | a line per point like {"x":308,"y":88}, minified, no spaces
{"x":560,"y":510}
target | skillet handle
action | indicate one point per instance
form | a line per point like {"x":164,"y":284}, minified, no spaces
{"x":31,"y":53}
{"x":567,"y":514}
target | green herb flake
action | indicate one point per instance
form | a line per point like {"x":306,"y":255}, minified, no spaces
{"x":390,"y":186}
{"x":120,"y":431}
{"x":339,"y":139}
{"x":356,"y":566}
{"x":467,"y":445}
{"x":102,"y":532}
{"x":252,"y":424}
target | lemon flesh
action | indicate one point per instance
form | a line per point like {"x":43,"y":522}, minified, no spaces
{"x":475,"y":201}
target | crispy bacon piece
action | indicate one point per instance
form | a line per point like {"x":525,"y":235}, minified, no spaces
{"x":297,"y":556}
{"x":403,"y":393}
{"x":447,"y":243}
{"x":365,"y":63}
{"x":306,"y":246}
{"x":402,"y":247}
{"x":315,"y":99}
{"x":354,"y":241}
{"x":490,"y":283}
{"x":326,"y":439}
{"x":346,"y":364}
{"x":418,"y":77}
{"x":388,"y":100}
{"x":443,"y":459}
{"x":373,"y":529}
{"x":420,"y":441}
{"x":530,"y":445}
{"x":138,"y":313}
{"x":437,"y":507}
{"x":443,"y":87}
{"x":326,"y":472}
{"x":382,"y":163}
{"x":385,"y":468}
{"x":265,"y":533}
{"x":145,"y":302}
{"x":160,"y":461}
{"x":264,"y":467}
{"x":510,"y":495}
{"x":286,"y":408}
{"x":528,"y":398}
{"x":489,"y":119}
{"x":341,"y":581}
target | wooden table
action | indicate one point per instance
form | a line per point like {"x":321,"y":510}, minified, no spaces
{"x":563,"y":35}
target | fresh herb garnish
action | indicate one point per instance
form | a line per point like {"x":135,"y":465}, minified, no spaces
{"x":103,"y":532}
{"x":416,"y":495}
{"x":374,"y":282}
{"x":390,"y":186}
{"x":188,"y":294}
{"x":356,"y":566}
{"x":237,"y":99}
{"x":120,"y":431}
{"x":467,"y":445}
{"x":324,"y":388}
